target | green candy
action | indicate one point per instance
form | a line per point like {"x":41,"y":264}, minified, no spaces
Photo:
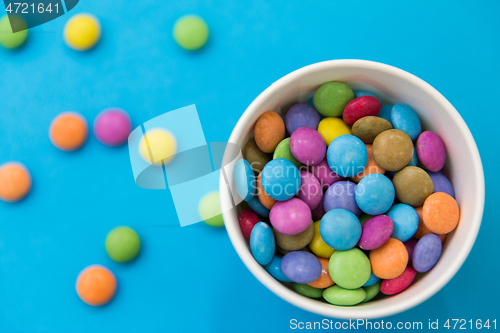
{"x":122,"y":244}
{"x":307,"y":290}
{"x":331,"y":98}
{"x":283,"y":151}
{"x":340,"y":296}
{"x":11,"y":40}
{"x":209,"y":209}
{"x":349,"y":269}
{"x":372,"y":291}
{"x":191,"y":32}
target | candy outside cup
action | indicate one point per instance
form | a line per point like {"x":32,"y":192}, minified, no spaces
{"x":463,"y":164}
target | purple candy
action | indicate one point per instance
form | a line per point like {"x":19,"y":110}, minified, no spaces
{"x":441,"y":183}
{"x":341,"y":195}
{"x":431,"y":151}
{"x":310,"y":189}
{"x":308,"y":146}
{"x":427,"y":252}
{"x":290,"y":217}
{"x":325,"y":175}
{"x":301,"y":115}
{"x":376,"y":231}
{"x":301,"y":267}
{"x":410,"y":247}
{"x":318,"y":212}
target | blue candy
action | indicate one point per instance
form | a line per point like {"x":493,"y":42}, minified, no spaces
{"x":404,"y":118}
{"x":426,"y":253}
{"x":301,"y":267}
{"x":359,"y":93}
{"x":262,"y":243}
{"x":280,"y":179}
{"x":372,"y":280}
{"x":385,"y":112}
{"x":341,"y":195}
{"x":258,"y":207}
{"x":405,"y":219}
{"x":340,"y":229}
{"x":301,"y":115}
{"x":245,"y":180}
{"x":274,"y":268}
{"x":347,"y":155}
{"x":441,"y":183}
{"x":375,"y":194}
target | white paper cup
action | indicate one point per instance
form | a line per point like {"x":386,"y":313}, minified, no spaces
{"x":463,"y":167}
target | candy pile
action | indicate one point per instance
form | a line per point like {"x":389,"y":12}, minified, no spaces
{"x":370,"y":178}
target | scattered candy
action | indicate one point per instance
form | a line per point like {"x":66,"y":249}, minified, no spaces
{"x":331,"y":98}
{"x":112,"y":127}
{"x":82,"y":32}
{"x":307,"y":290}
{"x":68,"y":131}
{"x":440,"y":213}
{"x":122,"y":244}
{"x":349,"y":269}
{"x":318,"y":245}
{"x":295,"y":242}
{"x":413,"y":185}
{"x":8,"y":38}
{"x":301,"y":115}
{"x":191,"y":32}
{"x":15,"y":181}
{"x":290,"y":217}
{"x":301,"y":267}
{"x":262,"y":243}
{"x":375,"y":232}
{"x":331,"y":128}
{"x":158,"y":145}
{"x":392,"y":150}
{"x":96,"y":285}
{"x":283,"y":151}
{"x":389,"y":260}
{"x":426,"y":253}
{"x":269,"y":131}
{"x":398,"y":284}
{"x":405,"y":220}
{"x":347,"y":165}
{"x":340,"y":296}
{"x":340,"y":229}
{"x":308,"y":146}
{"x":361,"y":107}
{"x":209,"y":209}
{"x":404,"y":118}
{"x":244,"y":179}
{"x":431,"y":151}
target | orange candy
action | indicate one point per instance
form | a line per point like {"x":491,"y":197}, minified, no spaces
{"x":264,"y":198}
{"x":371,"y":167}
{"x":389,"y":261}
{"x":15,"y":181}
{"x":422,"y":229}
{"x":440,"y":213}
{"x":324,"y":280}
{"x":68,"y":131}
{"x":96,"y":285}
{"x":269,"y":131}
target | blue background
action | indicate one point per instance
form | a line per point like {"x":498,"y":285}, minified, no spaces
{"x":190,"y":279}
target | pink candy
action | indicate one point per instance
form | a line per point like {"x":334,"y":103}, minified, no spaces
{"x":325,"y":175}
{"x":397,"y":285}
{"x":361,"y":107}
{"x":112,"y":127}
{"x":310,"y":189}
{"x":431,"y":151}
{"x":290,"y":217}
{"x":308,"y":146}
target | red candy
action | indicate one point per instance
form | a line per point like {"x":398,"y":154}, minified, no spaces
{"x":361,"y":107}
{"x":397,"y":285}
{"x":248,"y":219}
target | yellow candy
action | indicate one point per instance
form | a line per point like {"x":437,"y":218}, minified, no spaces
{"x":156,"y":145}
{"x":318,"y":245}
{"x":331,"y":128}
{"x":82,"y":32}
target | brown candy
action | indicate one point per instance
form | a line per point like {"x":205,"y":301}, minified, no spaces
{"x":392,"y":150}
{"x":413,"y":185}
{"x":295,"y":242}
{"x":367,"y":128}
{"x":255,"y":156}
{"x":269,"y":131}
{"x":265,"y":199}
